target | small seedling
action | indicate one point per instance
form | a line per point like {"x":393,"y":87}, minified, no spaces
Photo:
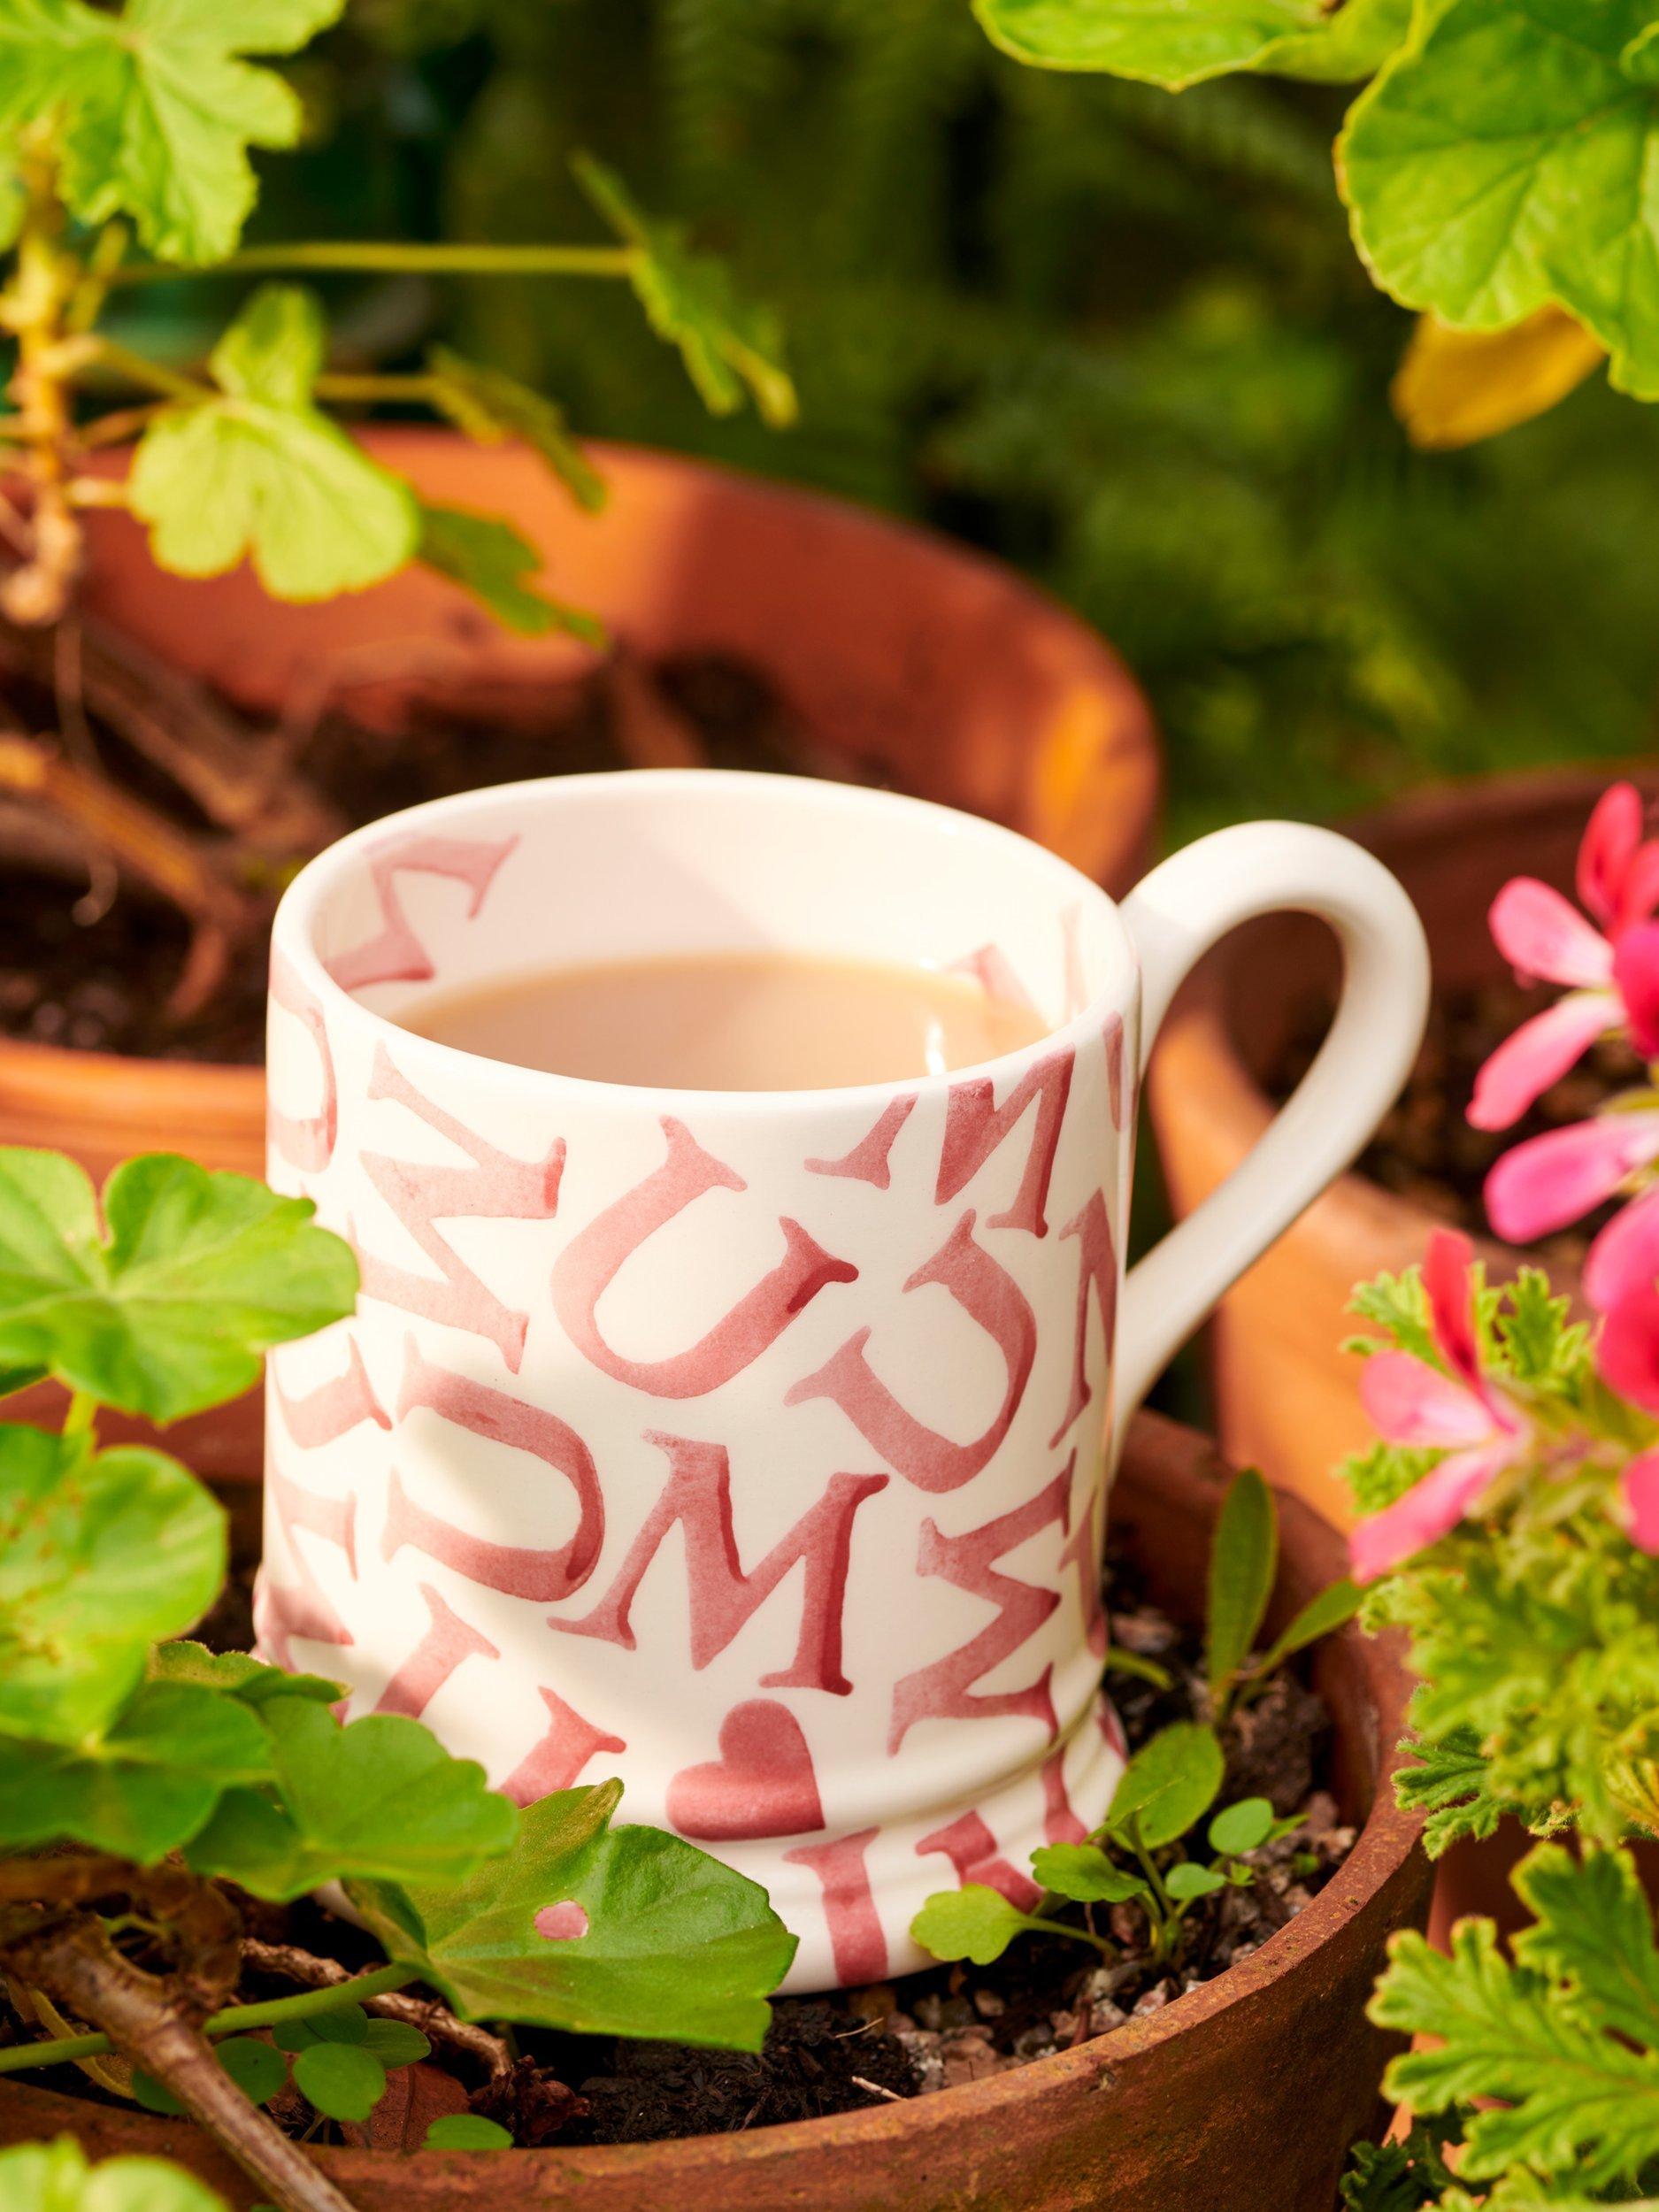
{"x":1141,"y":1856}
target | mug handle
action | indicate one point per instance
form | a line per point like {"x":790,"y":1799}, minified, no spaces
{"x":1174,"y":917}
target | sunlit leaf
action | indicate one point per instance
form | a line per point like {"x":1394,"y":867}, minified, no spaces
{"x":1500,"y":164}
{"x":153,"y":107}
{"x":99,"y":1553}
{"x":200,"y":1274}
{"x":727,"y":341}
{"x":489,"y":405}
{"x":1179,"y":42}
{"x":257,"y":470}
{"x":496,"y":564}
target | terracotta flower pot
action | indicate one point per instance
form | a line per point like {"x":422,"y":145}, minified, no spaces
{"x":1242,"y":2096}
{"x":937,"y":668}
{"x":1286,"y":1394}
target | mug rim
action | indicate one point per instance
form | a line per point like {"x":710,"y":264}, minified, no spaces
{"x":293,"y":925}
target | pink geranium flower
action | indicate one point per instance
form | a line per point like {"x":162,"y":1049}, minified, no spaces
{"x":1621,"y":1280}
{"x":1542,"y":1184}
{"x":1612,"y":973}
{"x":1462,"y":1412}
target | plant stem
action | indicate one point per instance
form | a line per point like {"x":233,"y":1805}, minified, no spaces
{"x":1060,"y":1928}
{"x":81,"y":1413}
{"x":341,"y":385}
{"x":150,"y":376}
{"x":78,"y":1968}
{"x":35,"y":308}
{"x":394,"y":255}
{"x":235,"y":2020}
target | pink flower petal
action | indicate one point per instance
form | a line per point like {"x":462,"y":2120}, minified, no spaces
{"x":1446,"y":1267}
{"x":1550,"y":1180}
{"x":1636,"y":973}
{"x":1625,"y":1256}
{"x":1610,"y":840}
{"x":1627,"y":1350}
{"x":1641,"y":1500}
{"x":1428,"y":1512}
{"x":1539,"y":1054}
{"x":1409,"y":1403}
{"x":562,"y":1922}
{"x":1543,"y":936}
{"x":1640,"y":894}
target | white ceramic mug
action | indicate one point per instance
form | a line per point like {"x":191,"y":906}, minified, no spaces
{"x":753,"y":1445}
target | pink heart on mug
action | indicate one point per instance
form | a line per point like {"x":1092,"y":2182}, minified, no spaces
{"x":761,"y":1785}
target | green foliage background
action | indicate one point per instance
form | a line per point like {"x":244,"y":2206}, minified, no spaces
{"x":1118,"y":335}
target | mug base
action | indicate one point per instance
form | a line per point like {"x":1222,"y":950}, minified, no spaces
{"x":850,"y":1896}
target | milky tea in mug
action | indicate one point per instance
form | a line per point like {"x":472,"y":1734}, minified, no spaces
{"x":734,"y":1021}
{"x":730,"y":1406}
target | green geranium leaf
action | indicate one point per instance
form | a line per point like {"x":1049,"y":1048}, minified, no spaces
{"x":727,"y":342}
{"x":237,"y":1674}
{"x":257,"y":2070}
{"x":1083,"y":1871}
{"x":1180,"y":42}
{"x":1449,"y":1782}
{"x":257,"y":470}
{"x":601,"y":1930}
{"x":1564,"y":2042}
{"x":99,"y":1553}
{"x":974,"y":1922}
{"x":489,"y":405}
{"x":1501,"y":162}
{"x":381,"y":1797}
{"x":495,"y":563}
{"x":1593,"y":1933}
{"x":395,"y":2043}
{"x":199,"y":1274}
{"x":1189,"y":1880}
{"x":1244,"y":1826}
{"x":1170,"y":1783}
{"x":1243,"y":1560}
{"x":466,"y":2131}
{"x":154,"y":109}
{"x":341,"y":2024}
{"x":55,"y":2178}
{"x":141,"y":1789}
{"x":345,"y":2081}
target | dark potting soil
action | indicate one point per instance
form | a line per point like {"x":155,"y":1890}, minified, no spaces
{"x":846,"y":2051}
{"x":91,"y":966}
{"x":1426,"y":1151}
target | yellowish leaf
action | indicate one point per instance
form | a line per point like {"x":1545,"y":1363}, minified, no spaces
{"x":1454,"y":386}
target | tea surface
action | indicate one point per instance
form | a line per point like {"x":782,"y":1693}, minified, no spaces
{"x":733,"y":1021}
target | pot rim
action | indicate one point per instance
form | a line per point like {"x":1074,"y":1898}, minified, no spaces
{"x":1312,"y":1553}
{"x":149,"y":1084}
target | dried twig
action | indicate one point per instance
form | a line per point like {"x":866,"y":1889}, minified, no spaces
{"x":144,"y":844}
{"x":431,"y":2017}
{"x":77,"y":1965}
